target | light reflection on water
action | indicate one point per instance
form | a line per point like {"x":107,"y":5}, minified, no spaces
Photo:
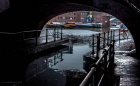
{"x":66,"y":64}
{"x":62,"y":68}
{"x":74,"y":60}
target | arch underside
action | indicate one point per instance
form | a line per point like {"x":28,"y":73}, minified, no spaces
{"x":121,"y":11}
{"x":33,"y":14}
{"x":25,"y":15}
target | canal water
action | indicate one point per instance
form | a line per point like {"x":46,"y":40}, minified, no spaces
{"x":61,"y":68}
{"x":64,"y":67}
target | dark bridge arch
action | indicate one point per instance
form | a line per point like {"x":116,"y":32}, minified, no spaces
{"x":22,"y":15}
{"x":120,"y":10}
{"x":25,"y":15}
{"x":63,"y":8}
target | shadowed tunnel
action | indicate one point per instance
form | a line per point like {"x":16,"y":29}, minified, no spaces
{"x":24,"y":15}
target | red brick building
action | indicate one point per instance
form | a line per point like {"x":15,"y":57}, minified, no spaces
{"x":83,"y":17}
{"x":67,"y":17}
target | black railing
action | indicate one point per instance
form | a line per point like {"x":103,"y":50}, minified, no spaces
{"x":93,"y":77}
{"x":103,"y":39}
{"x":21,"y":37}
{"x":106,"y":42}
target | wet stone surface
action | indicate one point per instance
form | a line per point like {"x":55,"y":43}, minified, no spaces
{"x":125,"y":45}
{"x":125,"y":73}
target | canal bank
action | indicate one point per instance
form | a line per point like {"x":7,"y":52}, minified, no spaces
{"x":69,"y":66}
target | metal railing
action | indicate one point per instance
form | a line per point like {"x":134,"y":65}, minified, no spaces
{"x":101,"y":40}
{"x":102,"y":63}
{"x":34,"y":35}
{"x":106,"y":42}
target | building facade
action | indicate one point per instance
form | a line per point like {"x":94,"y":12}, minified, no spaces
{"x":67,"y":17}
{"x":83,"y":17}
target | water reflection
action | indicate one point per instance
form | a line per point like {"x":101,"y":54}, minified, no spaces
{"x":63,"y":67}
{"x":55,"y":59}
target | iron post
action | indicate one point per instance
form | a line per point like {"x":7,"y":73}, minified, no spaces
{"x":61,"y":32}
{"x":119,"y":36}
{"x":107,"y":37}
{"x":46,"y":35}
{"x":93,"y":44}
{"x":98,"y":46}
{"x":104,"y":40}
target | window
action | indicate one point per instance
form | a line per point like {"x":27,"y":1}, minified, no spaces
{"x":70,"y":18}
{"x":63,"y":17}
